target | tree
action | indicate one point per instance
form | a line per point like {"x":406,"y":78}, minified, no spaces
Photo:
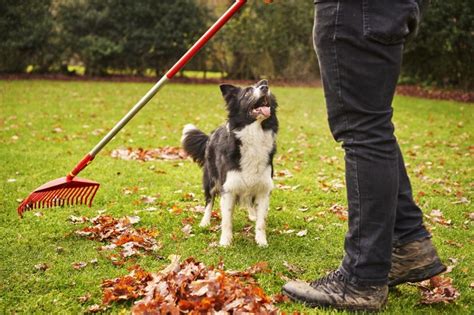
{"x":26,"y":28}
{"x":272,"y":41}
{"x":129,"y":35}
{"x":442,"y":53}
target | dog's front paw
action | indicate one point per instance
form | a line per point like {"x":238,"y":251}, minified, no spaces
{"x":225,"y":240}
{"x":205,"y":222}
{"x":252,"y":214}
{"x":261,"y":240}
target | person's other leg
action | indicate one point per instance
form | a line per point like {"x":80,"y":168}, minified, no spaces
{"x":409,"y":217}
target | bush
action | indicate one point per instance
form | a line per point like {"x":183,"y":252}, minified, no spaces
{"x":26,"y":32}
{"x":442,"y":53}
{"x":272,"y":41}
{"x":129,"y":35}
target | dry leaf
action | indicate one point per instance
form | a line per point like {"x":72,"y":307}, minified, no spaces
{"x":292,"y":268}
{"x":76,"y":220}
{"x":41,"y":267}
{"x":340,"y":211}
{"x":79,"y":265}
{"x":84,"y":298}
{"x":438,"y":289}
{"x":302,"y":233}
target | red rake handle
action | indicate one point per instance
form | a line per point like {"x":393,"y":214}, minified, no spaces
{"x":86,"y":160}
{"x":205,"y":38}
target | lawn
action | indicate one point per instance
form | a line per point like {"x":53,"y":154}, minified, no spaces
{"x":47,"y":126}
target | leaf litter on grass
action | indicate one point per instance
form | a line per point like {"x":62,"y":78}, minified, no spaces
{"x":145,"y":155}
{"x":120,"y":233}
{"x":191,"y":287}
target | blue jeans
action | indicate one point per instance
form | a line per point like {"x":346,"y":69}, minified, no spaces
{"x":359,"y":44}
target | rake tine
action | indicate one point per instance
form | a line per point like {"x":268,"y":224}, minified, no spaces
{"x":69,"y":197}
{"x":77,"y":195}
{"x":46,"y":198}
{"x":67,"y":194}
{"x":58,"y":197}
{"x":86,"y":195}
{"x":34,"y":200}
{"x":93,"y":195}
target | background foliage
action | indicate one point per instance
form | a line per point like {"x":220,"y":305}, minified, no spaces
{"x":139,"y":37}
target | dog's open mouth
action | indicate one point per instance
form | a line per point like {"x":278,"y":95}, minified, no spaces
{"x":261,"y":109}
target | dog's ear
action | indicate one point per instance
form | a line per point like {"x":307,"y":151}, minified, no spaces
{"x":228,"y":90}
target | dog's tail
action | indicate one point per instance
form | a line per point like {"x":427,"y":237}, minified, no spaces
{"x":194,"y":143}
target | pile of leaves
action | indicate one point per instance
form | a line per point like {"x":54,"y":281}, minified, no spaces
{"x":119,"y":233}
{"x":145,"y":155}
{"x":190,"y":287}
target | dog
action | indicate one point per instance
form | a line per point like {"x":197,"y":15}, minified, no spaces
{"x":237,"y":157}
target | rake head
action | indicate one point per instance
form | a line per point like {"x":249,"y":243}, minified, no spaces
{"x":59,"y":193}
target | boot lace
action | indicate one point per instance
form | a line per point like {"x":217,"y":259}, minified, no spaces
{"x":335,"y":275}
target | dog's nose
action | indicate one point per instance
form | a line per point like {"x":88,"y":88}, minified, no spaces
{"x":263,"y":88}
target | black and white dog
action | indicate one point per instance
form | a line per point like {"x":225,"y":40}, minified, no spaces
{"x":237,"y":157}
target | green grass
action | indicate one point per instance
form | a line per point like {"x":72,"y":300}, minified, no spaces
{"x":436,"y":136}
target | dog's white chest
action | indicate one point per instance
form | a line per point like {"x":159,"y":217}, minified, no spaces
{"x":255,"y":173}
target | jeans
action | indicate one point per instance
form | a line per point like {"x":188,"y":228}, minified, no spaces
{"x":359,"y":44}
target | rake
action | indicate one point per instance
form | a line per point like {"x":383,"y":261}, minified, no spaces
{"x":71,"y":190}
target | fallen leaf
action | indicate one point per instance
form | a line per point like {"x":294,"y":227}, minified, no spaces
{"x":95,"y":308}
{"x":340,"y":211}
{"x":76,"y":220}
{"x":187,"y":230}
{"x":436,"y":216}
{"x":79,"y":265}
{"x":302,"y":233}
{"x":438,"y":289}
{"x":280,"y":298}
{"x":133,"y":219}
{"x":148,"y":199}
{"x":84,"y":298}
{"x":292,"y":268}
{"x":41,"y":267}
{"x":303,"y":208}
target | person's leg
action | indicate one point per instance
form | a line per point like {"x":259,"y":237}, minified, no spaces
{"x":409,"y":218}
{"x":359,"y":74}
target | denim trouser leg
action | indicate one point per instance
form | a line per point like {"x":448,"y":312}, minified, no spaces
{"x":359,"y":46}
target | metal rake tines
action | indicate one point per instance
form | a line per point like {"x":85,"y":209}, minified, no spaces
{"x":60,"y":193}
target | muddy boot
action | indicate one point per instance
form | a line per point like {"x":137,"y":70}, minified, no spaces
{"x":413,"y":262}
{"x":335,"y":291}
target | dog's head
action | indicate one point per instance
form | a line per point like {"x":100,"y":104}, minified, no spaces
{"x":249,"y":104}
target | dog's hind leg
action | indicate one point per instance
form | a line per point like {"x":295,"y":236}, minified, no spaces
{"x":206,"y":219}
{"x":227,"y":207}
{"x":263,"y":202}
{"x":250,"y":205}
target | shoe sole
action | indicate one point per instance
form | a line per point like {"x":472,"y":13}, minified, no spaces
{"x":430,"y":271}
{"x":348,"y":308}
